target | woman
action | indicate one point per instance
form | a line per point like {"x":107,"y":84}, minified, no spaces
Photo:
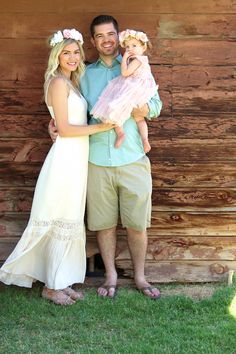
{"x":52,"y":247}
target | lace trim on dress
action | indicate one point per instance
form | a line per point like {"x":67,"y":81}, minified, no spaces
{"x":59,"y":229}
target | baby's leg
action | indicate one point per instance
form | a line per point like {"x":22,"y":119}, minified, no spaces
{"x":120,"y":136}
{"x":143,"y":130}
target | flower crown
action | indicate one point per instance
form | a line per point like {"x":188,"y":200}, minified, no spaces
{"x":127,"y":34}
{"x":59,"y":36}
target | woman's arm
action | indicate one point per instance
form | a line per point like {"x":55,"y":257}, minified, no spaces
{"x":58,"y":97}
{"x":129,"y":64}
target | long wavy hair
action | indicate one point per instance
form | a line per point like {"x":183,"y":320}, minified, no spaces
{"x":53,"y":68}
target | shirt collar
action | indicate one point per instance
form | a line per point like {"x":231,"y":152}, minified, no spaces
{"x":116,"y":60}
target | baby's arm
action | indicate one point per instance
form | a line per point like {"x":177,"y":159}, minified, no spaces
{"x":129,"y":64}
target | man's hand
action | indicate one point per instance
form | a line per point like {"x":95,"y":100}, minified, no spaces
{"x":52,"y":130}
{"x":140,"y":112}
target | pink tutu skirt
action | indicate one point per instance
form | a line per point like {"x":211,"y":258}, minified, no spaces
{"x":121,"y":95}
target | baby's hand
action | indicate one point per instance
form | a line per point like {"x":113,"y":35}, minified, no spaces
{"x":126,"y":54}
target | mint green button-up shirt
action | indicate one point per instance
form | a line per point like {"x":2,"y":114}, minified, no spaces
{"x":102,"y":151}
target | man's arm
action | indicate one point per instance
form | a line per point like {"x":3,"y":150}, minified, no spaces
{"x":155,"y":106}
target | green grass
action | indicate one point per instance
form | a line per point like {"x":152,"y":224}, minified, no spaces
{"x":129,"y":324}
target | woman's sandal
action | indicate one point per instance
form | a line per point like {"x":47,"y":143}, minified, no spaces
{"x":75,"y":295}
{"x":58,"y":297}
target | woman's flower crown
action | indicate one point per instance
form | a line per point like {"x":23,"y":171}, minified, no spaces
{"x":127,"y":34}
{"x":59,"y":36}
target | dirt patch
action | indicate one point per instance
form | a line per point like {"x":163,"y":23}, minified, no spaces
{"x":197,"y":292}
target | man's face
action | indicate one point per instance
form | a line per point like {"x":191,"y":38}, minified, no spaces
{"x":106,"y":40}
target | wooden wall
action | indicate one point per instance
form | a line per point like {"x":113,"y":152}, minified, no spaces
{"x":193,"y":234}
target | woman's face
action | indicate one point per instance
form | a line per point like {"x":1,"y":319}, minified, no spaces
{"x":69,"y":59}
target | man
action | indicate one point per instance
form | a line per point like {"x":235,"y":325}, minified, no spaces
{"x":119,"y":180}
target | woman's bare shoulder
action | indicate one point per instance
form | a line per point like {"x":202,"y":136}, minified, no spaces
{"x":58,"y":82}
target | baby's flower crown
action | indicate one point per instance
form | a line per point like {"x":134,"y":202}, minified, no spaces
{"x":127,"y":34}
{"x":59,"y":36}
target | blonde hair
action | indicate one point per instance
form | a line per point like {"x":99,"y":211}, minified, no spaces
{"x":53,"y":69}
{"x":147,"y":45}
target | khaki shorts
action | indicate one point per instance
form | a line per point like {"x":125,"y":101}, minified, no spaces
{"x":123,"y":191}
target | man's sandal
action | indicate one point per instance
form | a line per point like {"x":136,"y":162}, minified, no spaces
{"x":149,"y":289}
{"x":107,"y":288}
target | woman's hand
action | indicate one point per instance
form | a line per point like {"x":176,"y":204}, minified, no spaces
{"x":106,"y":126}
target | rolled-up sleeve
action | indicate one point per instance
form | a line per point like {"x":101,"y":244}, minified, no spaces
{"x":155,"y":106}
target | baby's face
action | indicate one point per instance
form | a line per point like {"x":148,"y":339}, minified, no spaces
{"x":134,"y":47}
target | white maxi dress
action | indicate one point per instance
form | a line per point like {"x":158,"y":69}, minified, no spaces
{"x":52,"y":247}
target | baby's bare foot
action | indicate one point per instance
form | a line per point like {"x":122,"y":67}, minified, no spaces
{"x":146,"y":145}
{"x":119,"y":140}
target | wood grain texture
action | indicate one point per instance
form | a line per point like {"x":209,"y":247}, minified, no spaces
{"x":174,"y":26}
{"x":24,"y":125}
{"x":22,"y":101}
{"x":194,"y":175}
{"x":202,"y":150}
{"x":165,"y":51}
{"x":19,"y":174}
{"x":182,"y":272}
{"x":195,"y":199}
{"x":188,"y":199}
{"x":164,"y":223}
{"x":183,"y":126}
{"x":123,"y":7}
{"x":22,"y":150}
{"x":165,"y":150}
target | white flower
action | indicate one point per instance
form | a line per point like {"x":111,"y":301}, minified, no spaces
{"x":57,"y":38}
{"x":141,"y":36}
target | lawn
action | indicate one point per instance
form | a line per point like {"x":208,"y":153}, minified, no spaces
{"x":187,"y":319}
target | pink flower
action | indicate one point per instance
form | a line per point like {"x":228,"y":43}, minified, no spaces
{"x":66,"y":33}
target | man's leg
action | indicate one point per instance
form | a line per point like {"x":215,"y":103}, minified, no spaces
{"x":107,"y":246}
{"x":102,"y":216}
{"x":137,"y":241}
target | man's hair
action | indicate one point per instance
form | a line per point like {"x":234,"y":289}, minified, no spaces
{"x":101,"y":19}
